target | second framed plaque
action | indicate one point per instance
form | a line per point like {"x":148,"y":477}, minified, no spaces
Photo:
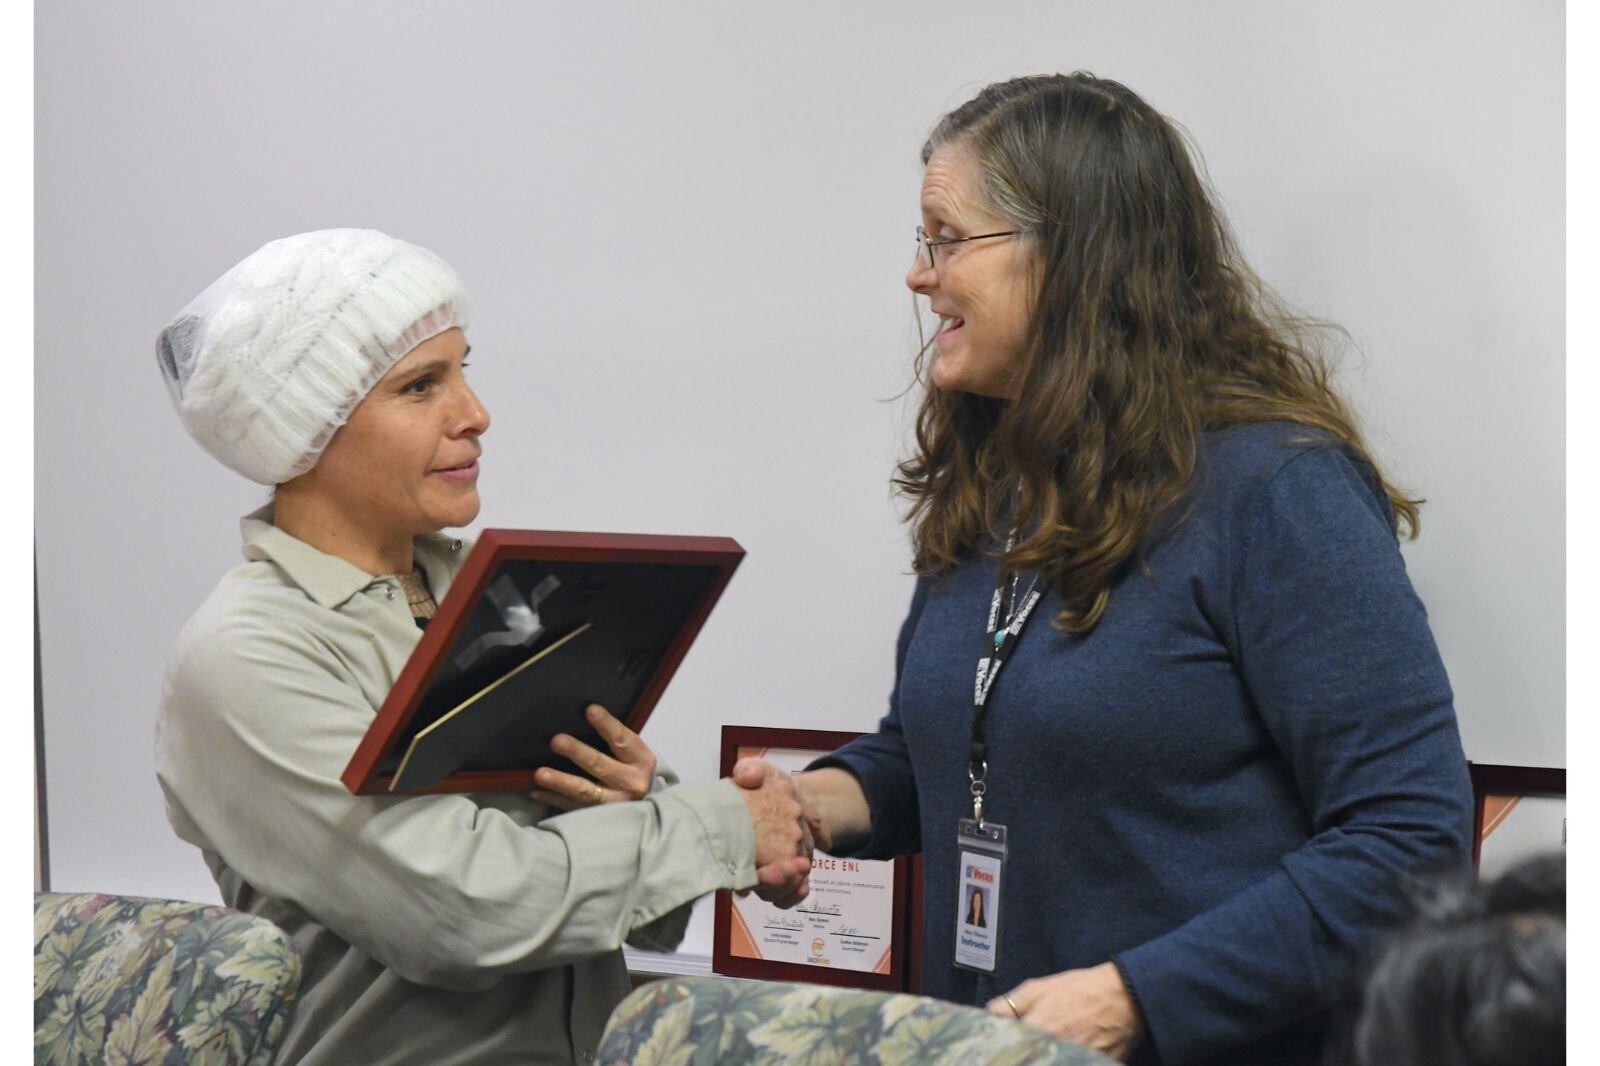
{"x":1518,"y":811}
{"x":852,"y":927}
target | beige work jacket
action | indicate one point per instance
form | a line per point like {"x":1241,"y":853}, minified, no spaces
{"x":479,"y":929}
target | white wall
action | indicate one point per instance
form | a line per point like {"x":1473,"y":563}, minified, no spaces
{"x":685,"y":227}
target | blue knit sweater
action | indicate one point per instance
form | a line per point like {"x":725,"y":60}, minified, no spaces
{"x":1221,"y":787}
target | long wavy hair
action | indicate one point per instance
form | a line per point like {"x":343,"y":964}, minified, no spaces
{"x":1147,"y":330}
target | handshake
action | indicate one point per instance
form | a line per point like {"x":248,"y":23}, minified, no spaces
{"x":788,"y":825}
{"x":788,"y":830}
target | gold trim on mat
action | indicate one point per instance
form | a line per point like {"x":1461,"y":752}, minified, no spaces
{"x":476,"y":696}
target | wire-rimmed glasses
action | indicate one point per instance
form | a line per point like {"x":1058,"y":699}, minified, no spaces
{"x":926,"y":244}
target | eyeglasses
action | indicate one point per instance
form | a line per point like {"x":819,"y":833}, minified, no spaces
{"x":926,"y":244}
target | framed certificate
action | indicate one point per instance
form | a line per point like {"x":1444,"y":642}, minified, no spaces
{"x":850,"y":930}
{"x":537,"y":626}
{"x":1517,"y":811}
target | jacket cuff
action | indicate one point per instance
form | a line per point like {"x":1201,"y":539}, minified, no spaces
{"x":730,"y":836}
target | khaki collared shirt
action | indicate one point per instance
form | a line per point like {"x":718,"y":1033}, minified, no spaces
{"x":479,"y":929}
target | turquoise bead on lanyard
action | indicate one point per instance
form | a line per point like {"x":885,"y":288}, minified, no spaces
{"x":1006,"y":619}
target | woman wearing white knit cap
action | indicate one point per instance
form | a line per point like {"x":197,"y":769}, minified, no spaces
{"x":433,"y":929}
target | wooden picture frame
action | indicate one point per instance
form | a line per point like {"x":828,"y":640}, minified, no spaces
{"x":1497,"y":791}
{"x":735,"y":952}
{"x":609,"y":621}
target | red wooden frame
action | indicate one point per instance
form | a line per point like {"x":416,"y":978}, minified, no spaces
{"x":1489,"y":779}
{"x":492,"y":550}
{"x":723,"y":960}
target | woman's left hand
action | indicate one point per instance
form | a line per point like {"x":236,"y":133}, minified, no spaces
{"x":1089,"y":1007}
{"x":626,"y":774}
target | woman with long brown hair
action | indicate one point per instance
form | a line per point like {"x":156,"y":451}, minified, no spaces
{"x":1209,"y":730}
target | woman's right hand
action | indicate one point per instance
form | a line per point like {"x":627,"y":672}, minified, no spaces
{"x":832,"y":801}
{"x":833,"y":809}
{"x":751,"y":772}
{"x":783,"y":839}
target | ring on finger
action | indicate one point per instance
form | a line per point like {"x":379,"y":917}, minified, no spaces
{"x":1011,"y":1003}
{"x":599,"y":795}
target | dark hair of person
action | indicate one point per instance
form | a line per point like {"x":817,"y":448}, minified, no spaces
{"x":1147,"y":329}
{"x":1477,"y":979}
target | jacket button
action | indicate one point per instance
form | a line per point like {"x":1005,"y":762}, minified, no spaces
{"x":388,"y":592}
{"x":455,"y":545}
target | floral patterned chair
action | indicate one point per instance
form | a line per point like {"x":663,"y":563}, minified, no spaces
{"x":697,"y":1021}
{"x":149,"y":982}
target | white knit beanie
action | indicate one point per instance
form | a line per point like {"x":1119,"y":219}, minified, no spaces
{"x":273,"y":356}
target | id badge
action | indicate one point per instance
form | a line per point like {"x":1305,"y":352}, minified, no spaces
{"x":982,"y":850}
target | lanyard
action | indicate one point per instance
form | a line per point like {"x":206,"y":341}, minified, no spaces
{"x":1000,"y":639}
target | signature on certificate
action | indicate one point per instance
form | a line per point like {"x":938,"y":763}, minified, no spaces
{"x":851,"y":932}
{"x":832,"y":909}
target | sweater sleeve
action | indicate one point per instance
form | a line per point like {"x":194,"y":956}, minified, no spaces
{"x":1335,"y":651}
{"x":444,"y":890}
{"x":881,"y":761}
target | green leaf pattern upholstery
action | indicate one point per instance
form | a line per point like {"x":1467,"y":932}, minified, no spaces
{"x":698,"y":1021}
{"x":146,"y":982}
